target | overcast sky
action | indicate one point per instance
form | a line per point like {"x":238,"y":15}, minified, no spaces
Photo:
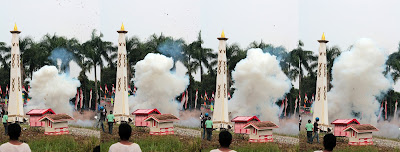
{"x":276,"y":22}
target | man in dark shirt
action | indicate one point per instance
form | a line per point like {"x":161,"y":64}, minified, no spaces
{"x":316,"y":129}
{"x":102,"y":117}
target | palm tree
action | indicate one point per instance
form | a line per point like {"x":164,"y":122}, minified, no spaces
{"x":331,"y":55}
{"x":233,"y":55}
{"x":95,"y":50}
{"x":393,"y":65}
{"x":203,"y":56}
{"x":301,"y":60}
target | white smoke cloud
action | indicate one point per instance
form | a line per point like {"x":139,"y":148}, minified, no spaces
{"x":52,"y":90}
{"x":259,"y":83}
{"x":357,"y":80}
{"x":156,"y":85}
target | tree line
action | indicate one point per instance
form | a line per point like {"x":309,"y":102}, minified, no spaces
{"x":298,"y":64}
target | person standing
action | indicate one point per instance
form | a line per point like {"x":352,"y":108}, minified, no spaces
{"x":316,"y":129}
{"x":125,"y":132}
{"x":203,"y":124}
{"x":5,"y":122}
{"x":299,"y":122}
{"x":209,"y":128}
{"x":225,"y":139}
{"x":14,"y":145}
{"x":110,"y":120}
{"x":309,"y":129}
{"x":102,"y":118}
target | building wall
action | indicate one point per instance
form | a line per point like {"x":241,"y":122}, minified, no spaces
{"x":34,"y":121}
{"x":139,"y":120}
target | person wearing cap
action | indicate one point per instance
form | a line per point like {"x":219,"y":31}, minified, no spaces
{"x":316,"y":130}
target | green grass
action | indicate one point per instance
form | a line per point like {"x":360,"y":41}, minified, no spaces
{"x":63,"y":143}
{"x":162,"y":144}
{"x":264,"y":147}
{"x":193,"y":128}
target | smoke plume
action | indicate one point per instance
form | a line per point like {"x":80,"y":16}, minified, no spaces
{"x":52,"y":90}
{"x":259,"y":83}
{"x":357,"y":80}
{"x":63,"y":55}
{"x":156,"y":85}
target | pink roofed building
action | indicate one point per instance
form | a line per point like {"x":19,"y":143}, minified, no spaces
{"x":56,"y":124}
{"x":261,"y":131}
{"x":241,"y":121}
{"x":341,"y":124}
{"x":360,"y":134}
{"x":142,"y":114}
{"x":36,"y":114}
{"x":161,"y":124}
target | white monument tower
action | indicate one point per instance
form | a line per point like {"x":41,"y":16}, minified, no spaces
{"x":321,"y":103}
{"x":220,"y":115}
{"x":15,"y":108}
{"x":121,"y":106}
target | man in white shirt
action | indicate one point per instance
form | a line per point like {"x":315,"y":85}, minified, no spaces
{"x":125,"y":132}
{"x":225,"y":139}
{"x":14,"y":131}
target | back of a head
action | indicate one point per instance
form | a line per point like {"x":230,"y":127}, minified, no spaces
{"x":309,"y":121}
{"x":329,"y":142}
{"x":14,"y":131}
{"x":125,"y":131}
{"x":209,"y":118}
{"x":111,"y":112}
{"x":225,"y":138}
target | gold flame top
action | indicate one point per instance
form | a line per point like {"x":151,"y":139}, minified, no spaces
{"x":223,"y":34}
{"x":15,"y":27}
{"x":122,"y":27}
{"x":323,"y":36}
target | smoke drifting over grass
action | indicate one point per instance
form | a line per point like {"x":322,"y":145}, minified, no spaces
{"x":259,"y":83}
{"x":357,"y":80}
{"x":156,"y":85}
{"x":52,"y":90}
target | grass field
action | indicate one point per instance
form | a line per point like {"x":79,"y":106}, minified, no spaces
{"x":341,"y":145}
{"x":149,"y":143}
{"x":38,"y":142}
{"x":240,"y":143}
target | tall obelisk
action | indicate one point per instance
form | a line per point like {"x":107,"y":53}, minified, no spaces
{"x":220,"y":115}
{"x":321,"y":104}
{"x":15,"y":107}
{"x":121,"y":106}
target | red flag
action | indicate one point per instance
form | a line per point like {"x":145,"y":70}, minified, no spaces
{"x":7,"y":89}
{"x":183,"y":99}
{"x":1,"y":92}
{"x":81,"y":98}
{"x":195,"y":100}
{"x":186,"y":98}
{"x":113,"y":89}
{"x":229,"y":95}
{"x":90,"y":98}
{"x":76,"y":99}
{"x":205,"y":96}
{"x":386,"y":110}
{"x":105,"y":89}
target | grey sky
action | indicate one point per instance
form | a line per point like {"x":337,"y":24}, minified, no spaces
{"x":275,"y":22}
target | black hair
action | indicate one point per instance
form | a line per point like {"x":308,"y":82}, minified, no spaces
{"x":329,"y":142}
{"x":209,"y":118}
{"x":309,"y":121}
{"x":125,"y":131}
{"x":111,"y":112}
{"x":96,"y":149}
{"x":14,"y":131}
{"x":329,"y":130}
{"x":225,"y":139}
